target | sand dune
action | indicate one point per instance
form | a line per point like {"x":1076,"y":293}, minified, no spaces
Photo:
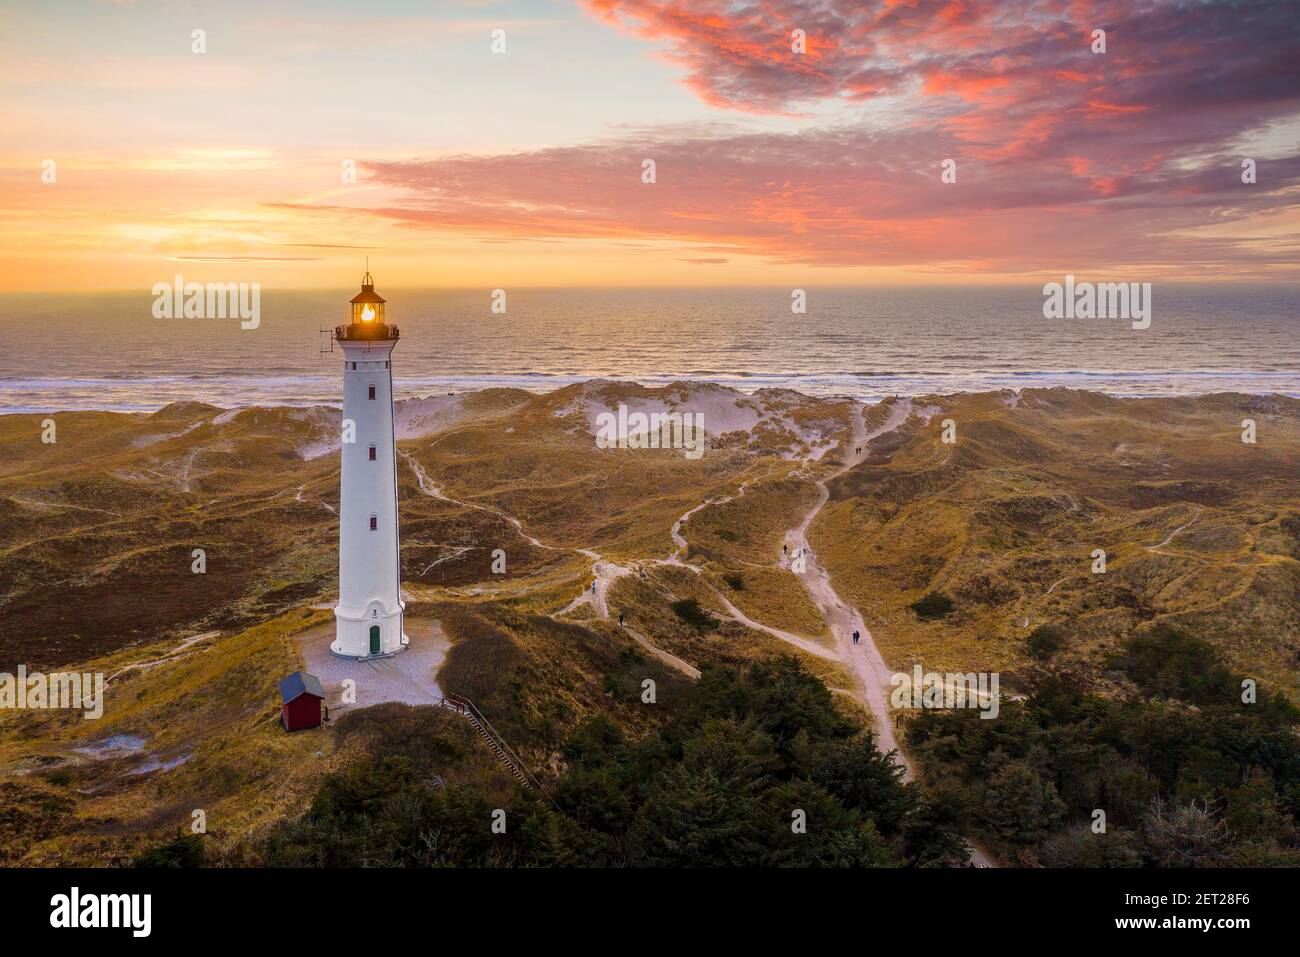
{"x":1199,"y":530}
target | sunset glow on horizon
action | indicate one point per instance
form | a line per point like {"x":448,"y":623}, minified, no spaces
{"x":524,"y":167}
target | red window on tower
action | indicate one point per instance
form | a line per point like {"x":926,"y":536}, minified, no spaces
{"x":372,"y":392}
{"x":372,"y":453}
{"x":374,"y":523}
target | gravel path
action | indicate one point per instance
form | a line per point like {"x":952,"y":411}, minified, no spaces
{"x":864,"y":658}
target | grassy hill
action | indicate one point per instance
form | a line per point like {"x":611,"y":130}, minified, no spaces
{"x":1005,"y":522}
{"x":1201,"y":534}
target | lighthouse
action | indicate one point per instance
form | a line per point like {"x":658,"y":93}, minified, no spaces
{"x":369,"y":615}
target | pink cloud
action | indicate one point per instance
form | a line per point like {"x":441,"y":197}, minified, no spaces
{"x":1064,"y":157}
{"x":847,"y":197}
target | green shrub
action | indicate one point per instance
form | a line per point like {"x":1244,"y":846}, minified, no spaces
{"x":1044,"y":642}
{"x":1166,"y":663}
{"x":184,"y":850}
{"x":690,"y":613}
{"x":713,"y":787}
{"x":1181,"y":786}
{"x":932,"y":606}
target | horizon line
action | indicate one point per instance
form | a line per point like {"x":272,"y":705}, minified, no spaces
{"x":1014,"y":284}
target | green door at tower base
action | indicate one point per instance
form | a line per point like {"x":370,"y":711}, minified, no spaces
{"x":374,"y":639}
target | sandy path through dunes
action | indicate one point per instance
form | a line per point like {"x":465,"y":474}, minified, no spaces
{"x":428,"y":487}
{"x":1156,"y":549}
{"x":606,"y":573}
{"x":864,"y":658}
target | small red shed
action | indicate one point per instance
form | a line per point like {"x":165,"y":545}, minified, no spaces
{"x":300,"y":701}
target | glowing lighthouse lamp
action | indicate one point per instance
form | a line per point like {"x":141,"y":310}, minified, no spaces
{"x":369,"y":615}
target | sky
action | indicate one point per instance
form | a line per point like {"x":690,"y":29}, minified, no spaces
{"x":793,"y":142}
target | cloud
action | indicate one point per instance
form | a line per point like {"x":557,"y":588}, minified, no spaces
{"x":1065,"y":159}
{"x":1161,"y":54}
{"x":851,"y":196}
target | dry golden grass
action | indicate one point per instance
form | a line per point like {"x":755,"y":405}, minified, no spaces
{"x":536,"y":678}
{"x":1005,"y":523}
{"x":774,"y":597}
{"x":648,"y":607}
{"x":214,"y":708}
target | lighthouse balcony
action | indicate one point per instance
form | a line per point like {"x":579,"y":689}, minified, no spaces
{"x":366,"y":332}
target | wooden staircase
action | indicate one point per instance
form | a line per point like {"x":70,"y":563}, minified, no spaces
{"x":505,"y":754}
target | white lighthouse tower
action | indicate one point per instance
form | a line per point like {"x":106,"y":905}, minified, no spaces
{"x":369,"y":615}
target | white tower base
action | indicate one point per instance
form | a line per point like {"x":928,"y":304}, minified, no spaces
{"x":353,"y":632}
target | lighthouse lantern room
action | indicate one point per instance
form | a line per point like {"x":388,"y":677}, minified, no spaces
{"x":369,"y":616}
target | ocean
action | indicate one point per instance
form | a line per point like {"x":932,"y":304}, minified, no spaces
{"x":107,"y":351}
